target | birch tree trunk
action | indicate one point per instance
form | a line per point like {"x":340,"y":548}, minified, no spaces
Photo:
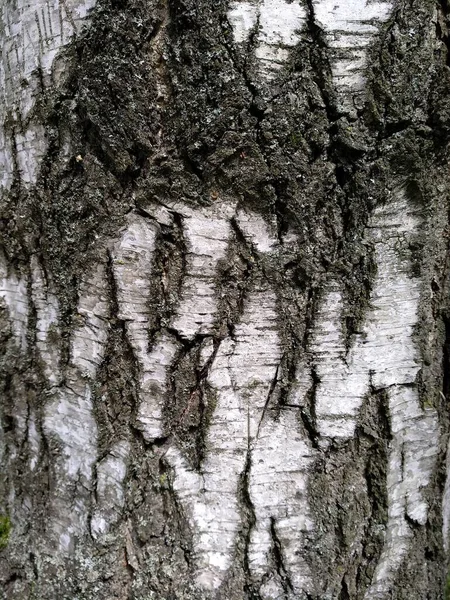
{"x":224,"y":299}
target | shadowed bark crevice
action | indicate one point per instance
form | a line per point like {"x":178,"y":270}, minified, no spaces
{"x":364,"y":461}
{"x":188,"y":400}
{"x":249,"y":522}
{"x":308,"y":411}
{"x":376,"y":428}
{"x":235,"y":277}
{"x":277,"y":553}
{"x":116,"y":386}
{"x":167,"y":277}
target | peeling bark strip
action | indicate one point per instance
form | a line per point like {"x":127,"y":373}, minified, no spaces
{"x":224,"y":299}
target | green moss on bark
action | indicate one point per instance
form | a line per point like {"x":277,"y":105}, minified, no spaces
{"x":5,"y":531}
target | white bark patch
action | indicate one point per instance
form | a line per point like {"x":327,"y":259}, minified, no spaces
{"x":446,"y":505}
{"x":207,"y":237}
{"x":111,"y":472}
{"x":32,"y":34}
{"x":34,"y":440}
{"x":47,"y":315}
{"x":343,"y":381}
{"x":277,"y":24}
{"x":91,"y":331}
{"x":350,"y":26}
{"x":30,"y":148}
{"x":257,"y":231}
{"x":13,"y":292}
{"x":69,"y":420}
{"x":383,"y":356}
{"x":132,"y":264}
{"x":241,"y":377}
{"x":153,"y":387}
{"x":281,"y":461}
{"x":391,"y":354}
{"x":243,"y":17}
{"x":412,"y":458}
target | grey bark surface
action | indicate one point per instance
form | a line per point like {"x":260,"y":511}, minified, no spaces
{"x":224,"y":300}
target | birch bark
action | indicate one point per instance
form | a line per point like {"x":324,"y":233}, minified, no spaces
{"x":224,"y":315}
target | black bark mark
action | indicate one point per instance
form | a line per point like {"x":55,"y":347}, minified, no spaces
{"x":277,"y":553}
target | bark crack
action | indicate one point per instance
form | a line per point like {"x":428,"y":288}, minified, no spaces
{"x":277,"y":553}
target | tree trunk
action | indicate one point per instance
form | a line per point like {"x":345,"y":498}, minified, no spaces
{"x":224,"y":299}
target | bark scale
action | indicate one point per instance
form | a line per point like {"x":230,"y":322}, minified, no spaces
{"x":224,"y":313}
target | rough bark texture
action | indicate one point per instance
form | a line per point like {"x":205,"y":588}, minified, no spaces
{"x":224,"y":313}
